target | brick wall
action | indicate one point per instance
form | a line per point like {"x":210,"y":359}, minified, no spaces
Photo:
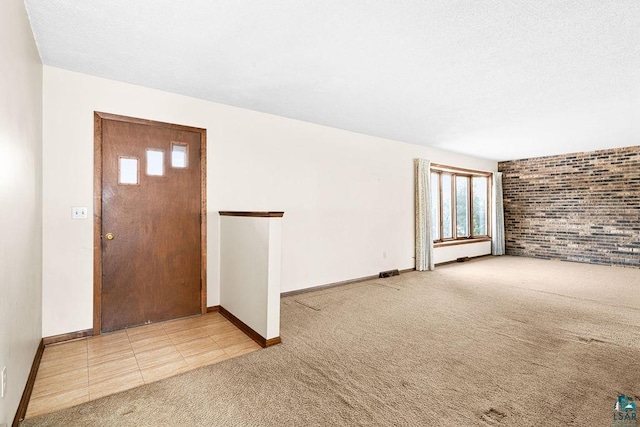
{"x":581,"y":207}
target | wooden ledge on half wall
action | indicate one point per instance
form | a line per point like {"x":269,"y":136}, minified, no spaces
{"x":265,"y":214}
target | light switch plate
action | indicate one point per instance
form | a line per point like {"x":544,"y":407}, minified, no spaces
{"x":79,"y":212}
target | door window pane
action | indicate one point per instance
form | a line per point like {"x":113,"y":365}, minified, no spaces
{"x":462,"y":206}
{"x":435,"y":206}
{"x":128,"y":170}
{"x":479,"y":192}
{"x":179,"y":155}
{"x":155,"y":162}
{"x":447,"y":207}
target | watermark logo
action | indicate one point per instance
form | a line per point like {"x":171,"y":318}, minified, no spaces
{"x":624,"y":412}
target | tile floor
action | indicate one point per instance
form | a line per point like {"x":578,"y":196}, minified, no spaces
{"x":78,"y":371}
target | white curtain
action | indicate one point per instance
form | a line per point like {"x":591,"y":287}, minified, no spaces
{"x":424,"y":239}
{"x":497,"y":241}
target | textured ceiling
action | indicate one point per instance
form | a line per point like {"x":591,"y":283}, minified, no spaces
{"x":497,"y":79}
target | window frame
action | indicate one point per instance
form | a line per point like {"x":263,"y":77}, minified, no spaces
{"x":440,"y":170}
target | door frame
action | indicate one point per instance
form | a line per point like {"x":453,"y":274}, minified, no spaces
{"x":98,"y":117}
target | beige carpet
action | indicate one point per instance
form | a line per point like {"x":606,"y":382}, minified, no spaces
{"x":493,"y":342}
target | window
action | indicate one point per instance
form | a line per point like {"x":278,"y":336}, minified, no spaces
{"x":128,"y":173}
{"x":155,"y":162}
{"x":462,"y":206}
{"x":435,"y":206}
{"x":179,"y":155}
{"x":480,"y":185}
{"x":459,"y":200}
{"x":447,"y":207}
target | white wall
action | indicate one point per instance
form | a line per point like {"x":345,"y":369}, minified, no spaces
{"x":20,"y":201}
{"x":250,"y":267}
{"x":453,"y":252}
{"x":347,"y":197}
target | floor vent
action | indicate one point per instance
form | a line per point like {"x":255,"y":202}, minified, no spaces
{"x":388,"y":273}
{"x":462,"y":259}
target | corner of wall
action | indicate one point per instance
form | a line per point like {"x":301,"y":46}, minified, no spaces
{"x":20,"y":203}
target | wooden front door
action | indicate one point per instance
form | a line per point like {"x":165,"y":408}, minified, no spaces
{"x":151,"y":239}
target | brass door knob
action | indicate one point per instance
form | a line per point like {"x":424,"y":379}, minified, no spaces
{"x":109,"y":236}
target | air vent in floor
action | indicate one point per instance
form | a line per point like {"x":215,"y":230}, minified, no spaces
{"x":388,"y":273}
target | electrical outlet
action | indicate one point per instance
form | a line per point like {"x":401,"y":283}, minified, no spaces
{"x":4,"y":381}
{"x":79,"y":212}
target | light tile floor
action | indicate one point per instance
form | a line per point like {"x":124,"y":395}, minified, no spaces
{"x":78,"y":371}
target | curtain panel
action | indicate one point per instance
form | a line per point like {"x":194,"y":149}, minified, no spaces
{"x":424,"y":239}
{"x":497,"y":241}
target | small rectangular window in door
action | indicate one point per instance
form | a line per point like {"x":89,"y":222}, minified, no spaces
{"x":128,"y":171}
{"x":179,"y":155}
{"x":155,"y":162}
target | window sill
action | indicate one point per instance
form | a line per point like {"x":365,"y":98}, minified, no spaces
{"x":461,"y":242}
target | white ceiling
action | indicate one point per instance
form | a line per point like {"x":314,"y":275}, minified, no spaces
{"x":500,"y":79}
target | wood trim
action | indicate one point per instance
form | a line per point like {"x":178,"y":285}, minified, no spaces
{"x":490,"y":218}
{"x":470,"y":223}
{"x":54,"y":339}
{"x":328,"y":285}
{"x":454,"y":207}
{"x":21,"y":412}
{"x":440,"y":264}
{"x":335,"y":284}
{"x":213,"y":309}
{"x":253,"y":214}
{"x":248,"y":330}
{"x":203,"y":221}
{"x":97,"y":222}
{"x":138,"y":121}
{"x":273,"y":341}
{"x":454,"y":169}
{"x":98,"y":117}
{"x":440,"y":207}
{"x":461,"y":242}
